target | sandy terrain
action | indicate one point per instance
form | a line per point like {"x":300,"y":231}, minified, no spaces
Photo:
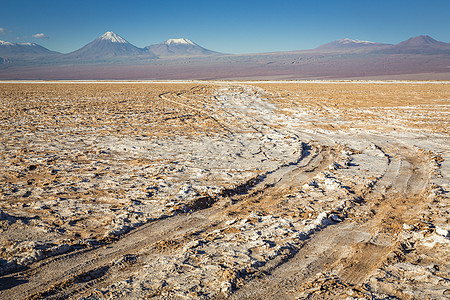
{"x":262,"y":190}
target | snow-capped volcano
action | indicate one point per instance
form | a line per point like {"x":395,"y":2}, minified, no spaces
{"x":179,"y":42}
{"x":347,"y":43}
{"x":179,"y":47}
{"x":108,"y":45}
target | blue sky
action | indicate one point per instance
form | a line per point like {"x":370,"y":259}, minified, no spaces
{"x":225,"y":26}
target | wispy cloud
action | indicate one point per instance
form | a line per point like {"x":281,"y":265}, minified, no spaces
{"x":2,"y":30}
{"x":40,"y":36}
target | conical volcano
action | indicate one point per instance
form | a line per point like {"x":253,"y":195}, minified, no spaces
{"x":109,"y":45}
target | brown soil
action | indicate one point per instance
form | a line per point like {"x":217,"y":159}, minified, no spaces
{"x":348,"y":196}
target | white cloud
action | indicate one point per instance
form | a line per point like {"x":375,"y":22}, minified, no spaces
{"x":2,"y":30}
{"x":40,"y":36}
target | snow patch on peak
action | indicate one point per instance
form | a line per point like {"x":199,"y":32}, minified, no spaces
{"x":112,"y":37}
{"x":28,"y":44}
{"x":179,"y":41}
{"x":350,"y":41}
{"x":3,"y":43}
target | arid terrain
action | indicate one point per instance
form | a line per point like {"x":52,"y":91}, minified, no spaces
{"x":225,"y":189}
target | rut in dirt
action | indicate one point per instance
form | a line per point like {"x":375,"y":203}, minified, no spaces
{"x":73,"y":273}
{"x":352,"y":250}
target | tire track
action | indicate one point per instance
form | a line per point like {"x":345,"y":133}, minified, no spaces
{"x":201,"y":111}
{"x":353,"y":249}
{"x":59,"y":277}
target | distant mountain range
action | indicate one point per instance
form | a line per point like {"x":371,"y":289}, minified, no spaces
{"x":105,"y":47}
{"x":111,"y":45}
{"x":182,"y":58}
{"x":350,"y":44}
{"x":23,"y":50}
{"x":417,"y":45}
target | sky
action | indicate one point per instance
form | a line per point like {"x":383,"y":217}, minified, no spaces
{"x":226,"y":26}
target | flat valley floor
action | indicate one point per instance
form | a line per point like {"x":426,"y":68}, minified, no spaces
{"x":225,"y":190}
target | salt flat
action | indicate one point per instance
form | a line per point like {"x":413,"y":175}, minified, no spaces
{"x":224,"y":189}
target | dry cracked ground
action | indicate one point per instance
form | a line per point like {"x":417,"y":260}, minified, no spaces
{"x":214,"y":190}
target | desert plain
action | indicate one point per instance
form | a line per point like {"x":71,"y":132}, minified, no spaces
{"x":225,"y":189}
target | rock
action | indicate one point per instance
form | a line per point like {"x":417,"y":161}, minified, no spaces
{"x":407,"y":227}
{"x":335,"y":218}
{"x":442,"y":231}
{"x":311,"y":185}
{"x":334,"y":166}
{"x":321,"y":219}
{"x":231,"y":222}
{"x":332,"y":184}
{"x":190,"y":245}
{"x":59,"y":249}
{"x":226,"y":287}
